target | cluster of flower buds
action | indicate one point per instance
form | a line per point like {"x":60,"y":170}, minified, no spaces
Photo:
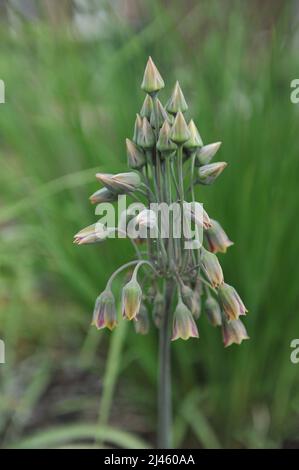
{"x":168,"y":161}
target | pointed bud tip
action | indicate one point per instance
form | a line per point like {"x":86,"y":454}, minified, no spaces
{"x":179,"y":132}
{"x":152,"y":81}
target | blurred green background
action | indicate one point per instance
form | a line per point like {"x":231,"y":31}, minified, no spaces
{"x":72,"y":71}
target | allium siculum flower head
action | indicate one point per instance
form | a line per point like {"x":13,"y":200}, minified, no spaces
{"x":206,"y":153}
{"x":211,"y":267}
{"x":233,"y":332}
{"x":207,"y":174}
{"x":102,"y":195}
{"x":146,"y":138}
{"x":164,"y":144}
{"x":189,"y":298}
{"x":216,"y":238}
{"x":179,"y":133}
{"x":131,"y":299}
{"x":94,"y":233}
{"x":161,"y":115}
{"x":120,"y":183}
{"x":104,"y":314}
{"x":231,"y":302}
{"x":141,"y":322}
{"x":177,"y":101}
{"x":213,"y":311}
{"x":137,"y":129}
{"x":184,"y":326}
{"x":136,"y":157}
{"x":152,"y":81}
{"x":195,"y":140}
{"x":147,"y":107}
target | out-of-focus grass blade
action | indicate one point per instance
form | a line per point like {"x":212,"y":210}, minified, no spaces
{"x":57,"y":436}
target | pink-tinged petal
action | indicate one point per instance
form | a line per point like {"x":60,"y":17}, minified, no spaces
{"x":233,"y":332}
{"x":184,"y":326}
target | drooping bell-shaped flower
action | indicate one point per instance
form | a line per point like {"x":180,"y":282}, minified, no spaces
{"x":216,"y":238}
{"x":104,"y":314}
{"x":131,"y":298}
{"x":231,"y":302}
{"x":211,"y":267}
{"x":184,"y":326}
{"x":233,"y":332}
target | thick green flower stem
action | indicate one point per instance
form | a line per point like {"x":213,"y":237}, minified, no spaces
{"x":181,"y":194}
{"x":164,"y":379}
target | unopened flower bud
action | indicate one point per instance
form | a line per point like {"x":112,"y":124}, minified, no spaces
{"x":213,"y":311}
{"x":206,"y":153}
{"x":146,"y":139}
{"x":147,"y":107}
{"x":120,"y":183}
{"x":131,"y":299}
{"x":136,"y":157}
{"x":137,"y":129}
{"x":158,"y":309}
{"x":216,"y":238}
{"x":94,"y":233}
{"x":195,"y":140}
{"x":102,"y":195}
{"x":184,"y":325}
{"x":211,"y":268}
{"x":141,"y":322}
{"x":104,"y":314}
{"x":231,"y":302}
{"x":179,"y":132}
{"x":207,"y":174}
{"x":233,"y":332}
{"x":164,"y":144}
{"x":152,"y":80}
{"x":177,"y":101}
{"x":161,"y":115}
